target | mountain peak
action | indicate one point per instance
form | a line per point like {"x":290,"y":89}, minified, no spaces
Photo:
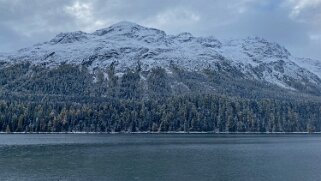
{"x":125,"y":24}
{"x":69,"y":37}
{"x":264,"y":47}
{"x":122,"y":27}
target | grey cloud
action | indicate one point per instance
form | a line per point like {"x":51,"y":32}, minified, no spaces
{"x":23,"y":22}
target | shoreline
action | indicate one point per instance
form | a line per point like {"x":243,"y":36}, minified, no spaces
{"x":181,"y":132}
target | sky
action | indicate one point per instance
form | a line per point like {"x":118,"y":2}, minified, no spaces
{"x":295,"y":24}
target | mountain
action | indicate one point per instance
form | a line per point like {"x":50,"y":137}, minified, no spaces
{"x":127,"y":43}
{"x":128,"y":78}
{"x":312,"y":65}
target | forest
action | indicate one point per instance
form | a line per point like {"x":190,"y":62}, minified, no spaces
{"x":74,"y":99}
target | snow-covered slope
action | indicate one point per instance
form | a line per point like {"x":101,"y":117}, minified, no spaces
{"x":127,"y":43}
{"x":312,"y":65}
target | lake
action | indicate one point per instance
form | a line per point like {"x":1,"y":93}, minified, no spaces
{"x":160,"y":157}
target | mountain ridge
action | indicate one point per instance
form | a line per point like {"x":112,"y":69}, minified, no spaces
{"x":128,"y":43}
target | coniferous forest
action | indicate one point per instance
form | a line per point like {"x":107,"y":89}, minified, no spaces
{"x":75,"y":99}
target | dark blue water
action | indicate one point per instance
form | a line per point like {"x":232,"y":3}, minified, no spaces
{"x":160,"y":157}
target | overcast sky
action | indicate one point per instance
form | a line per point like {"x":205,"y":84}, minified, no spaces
{"x":295,"y":24}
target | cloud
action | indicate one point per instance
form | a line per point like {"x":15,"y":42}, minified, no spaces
{"x":305,"y":10}
{"x":82,"y":11}
{"x":293,"y":23}
{"x":84,"y":17}
{"x":315,"y":37}
{"x":174,"y":17}
{"x":299,"y":5}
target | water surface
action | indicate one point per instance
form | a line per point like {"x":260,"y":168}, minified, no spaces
{"x":159,"y":157}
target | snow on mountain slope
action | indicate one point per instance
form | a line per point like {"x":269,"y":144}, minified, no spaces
{"x":313,"y":66}
{"x":127,"y":43}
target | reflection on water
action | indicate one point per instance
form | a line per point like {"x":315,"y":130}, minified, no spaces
{"x":160,"y":157}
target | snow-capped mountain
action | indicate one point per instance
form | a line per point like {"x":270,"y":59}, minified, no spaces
{"x":128,"y":43}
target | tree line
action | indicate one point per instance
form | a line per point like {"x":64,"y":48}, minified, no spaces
{"x":208,"y":113}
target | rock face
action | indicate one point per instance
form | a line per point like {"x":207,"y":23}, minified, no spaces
{"x":128,"y":44}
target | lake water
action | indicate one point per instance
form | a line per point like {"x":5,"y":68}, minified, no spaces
{"x":160,"y":157}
